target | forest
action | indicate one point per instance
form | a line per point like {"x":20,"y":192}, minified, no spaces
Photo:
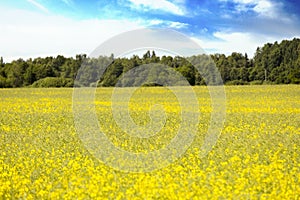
{"x":274,"y":63}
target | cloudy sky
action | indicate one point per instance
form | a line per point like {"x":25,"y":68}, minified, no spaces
{"x":32,"y":28}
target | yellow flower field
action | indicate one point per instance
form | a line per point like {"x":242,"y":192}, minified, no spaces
{"x":257,"y":155}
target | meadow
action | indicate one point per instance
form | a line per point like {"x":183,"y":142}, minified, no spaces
{"x":257,"y":155}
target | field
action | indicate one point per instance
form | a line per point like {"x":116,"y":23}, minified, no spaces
{"x":257,"y":155}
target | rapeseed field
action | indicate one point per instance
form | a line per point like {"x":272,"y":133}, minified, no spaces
{"x":257,"y":155}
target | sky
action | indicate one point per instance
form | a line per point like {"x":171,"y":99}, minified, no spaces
{"x":40,"y":28}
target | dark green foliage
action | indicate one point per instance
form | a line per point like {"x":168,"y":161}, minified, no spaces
{"x":22,"y":73}
{"x":53,"y":82}
{"x":237,"y":82}
{"x":277,"y":63}
{"x":256,"y":82}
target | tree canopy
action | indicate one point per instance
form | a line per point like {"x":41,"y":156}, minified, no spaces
{"x":277,"y":63}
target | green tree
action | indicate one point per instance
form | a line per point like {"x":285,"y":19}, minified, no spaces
{"x":1,"y":62}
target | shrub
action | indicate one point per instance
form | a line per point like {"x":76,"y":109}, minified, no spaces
{"x":237,"y":82}
{"x":53,"y":82}
{"x":257,"y":82}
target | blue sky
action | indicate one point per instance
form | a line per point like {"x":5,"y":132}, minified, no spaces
{"x":31,"y":28}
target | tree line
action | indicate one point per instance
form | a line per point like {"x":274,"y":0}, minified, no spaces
{"x":274,"y":63}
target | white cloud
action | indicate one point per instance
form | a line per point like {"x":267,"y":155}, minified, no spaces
{"x":247,"y":1}
{"x":271,"y":18}
{"x":265,"y":8}
{"x":240,"y":42}
{"x":154,"y":22}
{"x":30,"y":34}
{"x":38,"y":5}
{"x":163,"y":23}
{"x":163,"y":5}
{"x":177,"y":25}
